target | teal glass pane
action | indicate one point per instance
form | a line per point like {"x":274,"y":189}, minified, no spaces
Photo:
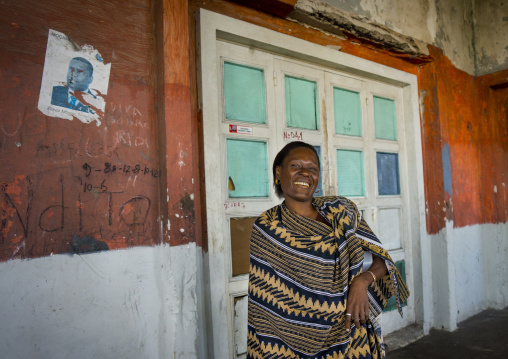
{"x":319,"y":191}
{"x":347,"y":112}
{"x":244,"y":93}
{"x":385,"y":119}
{"x":388,"y":182}
{"x":247,"y":163}
{"x":302,"y":109}
{"x":391,"y":304}
{"x":350,"y":173}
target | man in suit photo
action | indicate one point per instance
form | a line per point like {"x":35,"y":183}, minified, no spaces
{"x":79,"y":78}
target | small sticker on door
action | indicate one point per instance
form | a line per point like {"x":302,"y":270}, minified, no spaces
{"x":242,"y":130}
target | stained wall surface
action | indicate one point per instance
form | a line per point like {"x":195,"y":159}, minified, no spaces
{"x":491,"y":29}
{"x":68,"y":186}
{"x":472,"y":34}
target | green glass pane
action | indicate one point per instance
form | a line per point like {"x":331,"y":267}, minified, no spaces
{"x":244,"y":93}
{"x":391,"y":304}
{"x":384,"y":118}
{"x":348,"y":112}
{"x":302,"y":109}
{"x":350,"y":173}
{"x":247,"y":163}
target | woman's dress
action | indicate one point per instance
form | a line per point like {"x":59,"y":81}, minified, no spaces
{"x":300,"y":271}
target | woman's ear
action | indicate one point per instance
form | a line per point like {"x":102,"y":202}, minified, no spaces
{"x":277,"y":172}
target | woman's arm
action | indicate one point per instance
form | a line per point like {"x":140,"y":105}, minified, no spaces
{"x":358,"y":300}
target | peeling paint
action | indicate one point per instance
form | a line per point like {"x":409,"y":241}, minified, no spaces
{"x":323,"y":16}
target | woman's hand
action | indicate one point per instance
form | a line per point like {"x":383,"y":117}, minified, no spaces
{"x":357,"y":309}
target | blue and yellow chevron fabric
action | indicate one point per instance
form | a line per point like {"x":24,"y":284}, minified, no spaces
{"x":300,"y":271}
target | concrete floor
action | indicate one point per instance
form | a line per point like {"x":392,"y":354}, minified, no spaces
{"x":484,"y":335}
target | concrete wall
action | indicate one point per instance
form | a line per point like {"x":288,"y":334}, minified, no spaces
{"x":490,"y":29}
{"x":135,"y":303}
{"x":472,"y":34}
{"x":467,"y":264}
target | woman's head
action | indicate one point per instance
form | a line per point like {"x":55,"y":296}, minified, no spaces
{"x":296,"y":170}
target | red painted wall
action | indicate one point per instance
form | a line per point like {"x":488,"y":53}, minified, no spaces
{"x":62,"y":178}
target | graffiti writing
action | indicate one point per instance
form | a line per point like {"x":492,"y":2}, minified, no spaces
{"x":97,"y":208}
{"x":11,"y":209}
{"x":130,"y":139}
{"x":124,"y":114}
{"x":293,"y":135}
{"x":89,"y":187}
{"x":71,"y":150}
{"x":123,"y":169}
{"x":234,"y":205}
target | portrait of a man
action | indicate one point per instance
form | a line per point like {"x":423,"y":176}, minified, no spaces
{"x":73,"y":93}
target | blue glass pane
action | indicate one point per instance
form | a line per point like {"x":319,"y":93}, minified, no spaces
{"x":302,"y":109}
{"x":384,"y":119}
{"x":247,"y":163}
{"x":347,"y":112}
{"x":350,"y":173}
{"x":388,"y":173}
{"x":319,"y":191}
{"x":244,"y":93}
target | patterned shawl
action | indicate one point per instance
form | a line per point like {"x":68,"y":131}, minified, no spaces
{"x":300,"y":270}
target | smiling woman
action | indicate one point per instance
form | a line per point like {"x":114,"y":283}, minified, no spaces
{"x":308,"y":293}
{"x":296,"y":173}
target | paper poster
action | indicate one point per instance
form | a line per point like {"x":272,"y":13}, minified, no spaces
{"x":74,"y":82}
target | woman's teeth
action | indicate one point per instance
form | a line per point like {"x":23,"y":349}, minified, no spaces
{"x":302,"y":184}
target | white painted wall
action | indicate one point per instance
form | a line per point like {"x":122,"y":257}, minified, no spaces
{"x":135,"y":303}
{"x":495,"y":256}
{"x":469,"y":267}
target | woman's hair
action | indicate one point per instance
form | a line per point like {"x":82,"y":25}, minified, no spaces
{"x":281,"y":156}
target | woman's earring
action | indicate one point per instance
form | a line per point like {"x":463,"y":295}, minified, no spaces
{"x":277,"y":181}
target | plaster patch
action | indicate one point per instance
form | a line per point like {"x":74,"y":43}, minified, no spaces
{"x":325,"y":17}
{"x":74,"y":81}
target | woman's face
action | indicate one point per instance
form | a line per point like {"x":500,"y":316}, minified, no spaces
{"x":299,"y":174}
